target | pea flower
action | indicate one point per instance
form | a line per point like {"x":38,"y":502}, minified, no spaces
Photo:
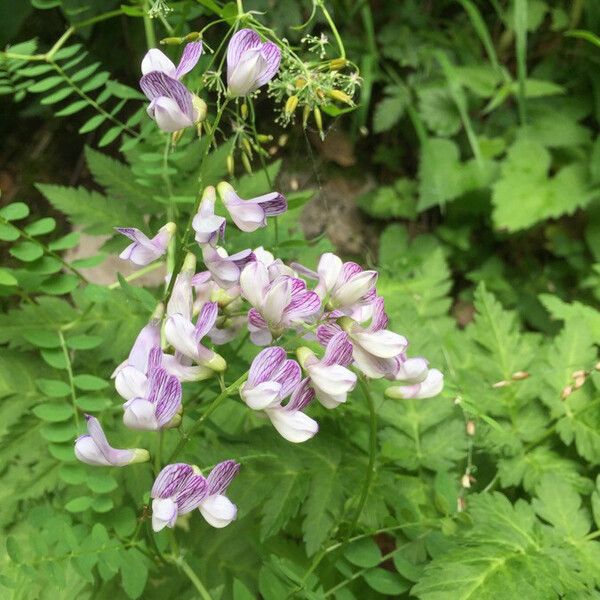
{"x":157,"y":61}
{"x":271,"y":379}
{"x":250,"y":62}
{"x":419,"y":381}
{"x":374,"y":348}
{"x":289,"y":420}
{"x":249,"y":215}
{"x":277,"y":305}
{"x":94,"y":449}
{"x":143,"y":250}
{"x":158,"y":407}
{"x":342,"y":285}
{"x":187,"y":338}
{"x":131,"y":375}
{"x":329,"y":376}
{"x":180,"y":488}
{"x":225,"y":269}
{"x":208,"y":226}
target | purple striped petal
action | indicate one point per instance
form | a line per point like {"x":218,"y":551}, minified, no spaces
{"x":242,"y":258}
{"x":303,"y":304}
{"x":265,"y":364}
{"x":272,"y":55}
{"x":273,"y":204}
{"x":326,"y":331}
{"x":159,"y":85}
{"x":190,"y":495}
{"x":170,"y":480}
{"x":288,"y":375}
{"x":167,"y":396}
{"x":146,"y":341}
{"x":221,"y":476}
{"x":189,"y":58}
{"x":243,"y":40}
{"x":206,"y":320}
{"x":255,"y":319}
{"x":302,"y":396}
{"x":380,"y":319}
{"x":338,"y":351}
{"x":349,"y":270}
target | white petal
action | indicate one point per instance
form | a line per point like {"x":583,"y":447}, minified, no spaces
{"x":139,"y":414}
{"x":294,"y":426}
{"x":185,"y":372}
{"x":264,"y":395}
{"x":334,"y":379}
{"x":275,"y":301}
{"x":131,"y":383}
{"x":164,"y":513}
{"x":413,"y":370}
{"x":253,"y":282}
{"x":155,"y":60}
{"x":180,"y":333}
{"x":329,"y":400}
{"x":370,"y":365}
{"x":218,"y":510}
{"x":242,"y":79}
{"x":352,"y":291}
{"x":433,"y":384}
{"x":382,"y":343}
{"x":169,"y":117}
{"x":87,"y":452}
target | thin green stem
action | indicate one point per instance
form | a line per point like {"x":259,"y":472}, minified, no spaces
{"x":63,"y":345}
{"x":186,"y":436}
{"x":180,"y":561}
{"x":332,"y":26}
{"x":159,"y":449}
{"x":148,"y":27}
{"x":372,"y":456}
{"x":520,"y":26}
{"x":140,"y":273}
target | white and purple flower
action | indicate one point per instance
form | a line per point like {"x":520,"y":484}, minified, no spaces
{"x":250,"y":62}
{"x":186,"y":337}
{"x":172,"y":105}
{"x":250,"y":215}
{"x":158,"y":403}
{"x":277,"y":305}
{"x":416,"y":378}
{"x":329,"y":376}
{"x":374,"y":348}
{"x":180,"y":488}
{"x":225,"y":269}
{"x":271,"y":379}
{"x":208,"y":226}
{"x":143,"y":250}
{"x":94,"y":449}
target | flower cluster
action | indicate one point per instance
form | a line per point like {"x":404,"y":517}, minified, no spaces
{"x":335,"y":311}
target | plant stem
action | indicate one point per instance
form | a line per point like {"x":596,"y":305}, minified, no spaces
{"x":185,"y":437}
{"x":372,"y":456}
{"x":158,"y":455}
{"x":193,"y":578}
{"x":140,"y":273}
{"x":149,"y":27}
{"x":520,"y":26}
{"x":332,"y":26}
{"x":70,"y":375}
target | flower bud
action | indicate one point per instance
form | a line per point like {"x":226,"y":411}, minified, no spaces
{"x":230,"y":165}
{"x":597,"y":367}
{"x":470,"y":428}
{"x":283,"y":140}
{"x":318,"y":119}
{"x":337,"y":63}
{"x":500,"y":384}
{"x":579,"y":380}
{"x":200,"y":107}
{"x":174,"y":422}
{"x":263,"y":138}
{"x":244,"y":111}
{"x":247,"y":147}
{"x":194,"y":36}
{"x":519,"y":375}
{"x":140,"y":455}
{"x":341,"y":97}
{"x":291,"y":104}
{"x":567,"y":391}
{"x":577,"y":374}
{"x":305,"y":115}
{"x":189,"y":263}
{"x":172,"y":41}
{"x":465,"y":481}
{"x":300,"y":83}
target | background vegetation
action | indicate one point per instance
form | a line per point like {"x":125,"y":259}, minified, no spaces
{"x":468,"y":174}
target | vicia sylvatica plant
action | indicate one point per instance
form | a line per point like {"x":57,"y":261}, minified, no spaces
{"x":232,"y":410}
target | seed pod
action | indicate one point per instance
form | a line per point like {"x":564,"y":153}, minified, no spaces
{"x":194,"y":36}
{"x":500,"y":384}
{"x":470,"y":427}
{"x":172,"y":41}
{"x":519,"y":375}
{"x":305,"y":115}
{"x":320,"y":94}
{"x":230,"y":165}
{"x":246,"y":163}
{"x":337,"y":63}
{"x":290,"y":105}
{"x":244,"y":110}
{"x":318,"y":119}
{"x":341,"y":97}
{"x":247,"y":147}
{"x":264,"y":139}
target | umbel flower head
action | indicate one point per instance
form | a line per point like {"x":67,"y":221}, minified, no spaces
{"x":94,"y":449}
{"x":250,"y":62}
